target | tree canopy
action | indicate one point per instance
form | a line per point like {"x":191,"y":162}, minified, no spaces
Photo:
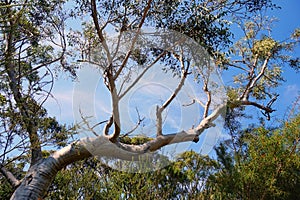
{"x":123,"y":40}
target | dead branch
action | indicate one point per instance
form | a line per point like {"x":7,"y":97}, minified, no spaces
{"x":140,"y":120}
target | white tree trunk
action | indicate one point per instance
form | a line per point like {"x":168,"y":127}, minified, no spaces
{"x":37,"y":180}
{"x":39,"y":177}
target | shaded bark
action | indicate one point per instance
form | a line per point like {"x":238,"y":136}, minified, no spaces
{"x":9,"y":176}
{"x":40,"y":176}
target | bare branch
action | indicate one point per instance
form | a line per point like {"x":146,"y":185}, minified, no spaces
{"x":85,"y":121}
{"x":161,"y":141}
{"x":19,"y":145}
{"x":159,"y":110}
{"x":183,"y":136}
{"x":134,"y":40}
{"x":9,"y":176}
{"x":102,"y":145}
{"x":109,"y":72}
{"x":237,"y":66}
{"x":121,"y":95}
{"x":195,"y":100}
{"x":137,"y":124}
{"x":208,"y":121}
{"x":99,"y":123}
{"x":108,"y":125}
{"x":208,"y":102}
{"x":253,"y":80}
{"x":189,"y":104}
{"x":266,"y":109}
{"x":115,"y":109}
{"x":141,"y":75}
{"x":91,"y":62}
{"x":99,"y":31}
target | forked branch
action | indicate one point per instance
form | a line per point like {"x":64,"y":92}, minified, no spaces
{"x":125,"y":60}
{"x":254,"y":79}
{"x":160,"y":109}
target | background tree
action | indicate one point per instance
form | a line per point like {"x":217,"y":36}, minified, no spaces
{"x":263,"y":165}
{"x":90,"y":179}
{"x":33,"y":43}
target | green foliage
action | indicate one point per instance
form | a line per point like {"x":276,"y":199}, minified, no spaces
{"x":15,"y":166}
{"x":2,"y":99}
{"x":264,"y":48}
{"x":260,"y":59}
{"x":32,"y":39}
{"x":267,"y":168}
{"x":5,"y":189}
{"x":296,"y":34}
{"x":89,"y":179}
{"x":295,"y":63}
{"x":232,"y":94}
{"x":136,"y":140}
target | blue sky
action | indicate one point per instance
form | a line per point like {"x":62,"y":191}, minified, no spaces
{"x":289,"y":19}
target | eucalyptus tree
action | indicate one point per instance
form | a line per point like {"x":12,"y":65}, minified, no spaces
{"x":26,"y":80}
{"x":34,"y":43}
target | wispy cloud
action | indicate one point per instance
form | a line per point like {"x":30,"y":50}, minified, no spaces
{"x":291,"y":91}
{"x":60,"y":104}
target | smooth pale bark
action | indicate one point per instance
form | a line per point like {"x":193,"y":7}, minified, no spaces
{"x":9,"y":176}
{"x":39,"y":177}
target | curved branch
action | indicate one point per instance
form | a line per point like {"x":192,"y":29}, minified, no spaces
{"x":42,"y":173}
{"x":183,"y":136}
{"x":159,"y":110}
{"x":235,"y":104}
